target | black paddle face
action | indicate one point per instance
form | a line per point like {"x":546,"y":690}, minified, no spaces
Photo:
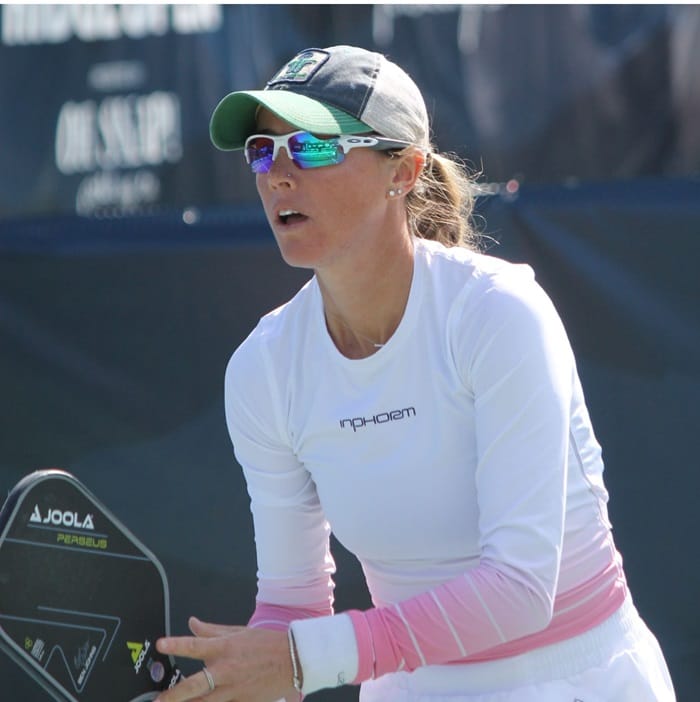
{"x":82,"y":602}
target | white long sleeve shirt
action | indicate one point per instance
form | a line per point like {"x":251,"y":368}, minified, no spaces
{"x":457,"y":463}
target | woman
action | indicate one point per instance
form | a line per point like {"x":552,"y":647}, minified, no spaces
{"x":421,"y":399}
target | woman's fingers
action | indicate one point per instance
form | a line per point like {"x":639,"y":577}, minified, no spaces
{"x":210,"y":630}
{"x":243,"y":664}
{"x":195,"y":647}
{"x":192,"y":689}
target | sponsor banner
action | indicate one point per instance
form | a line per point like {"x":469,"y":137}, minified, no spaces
{"x":105,"y":108}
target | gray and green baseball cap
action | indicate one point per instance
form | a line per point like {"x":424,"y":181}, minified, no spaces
{"x":337,"y":90}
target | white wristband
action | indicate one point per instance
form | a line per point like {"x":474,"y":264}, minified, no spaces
{"x":327,"y":651}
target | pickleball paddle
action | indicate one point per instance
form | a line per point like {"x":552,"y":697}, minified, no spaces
{"x":82,"y":600}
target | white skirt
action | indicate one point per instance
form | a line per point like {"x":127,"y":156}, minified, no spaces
{"x":616,"y":661}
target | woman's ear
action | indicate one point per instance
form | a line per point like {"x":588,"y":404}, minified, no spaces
{"x":407,"y":167}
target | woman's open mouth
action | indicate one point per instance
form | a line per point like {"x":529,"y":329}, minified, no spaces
{"x":290,"y":216}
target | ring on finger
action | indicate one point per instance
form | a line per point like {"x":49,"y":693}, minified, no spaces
{"x":210,"y":679}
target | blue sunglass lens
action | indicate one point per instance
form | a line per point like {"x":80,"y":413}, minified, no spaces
{"x":259,"y":154}
{"x":305,"y":150}
{"x":261,"y":165}
{"x":310,"y":152}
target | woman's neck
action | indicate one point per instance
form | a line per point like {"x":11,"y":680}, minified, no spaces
{"x":364,"y":306}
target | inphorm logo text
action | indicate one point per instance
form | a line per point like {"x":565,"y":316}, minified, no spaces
{"x":381,"y":418}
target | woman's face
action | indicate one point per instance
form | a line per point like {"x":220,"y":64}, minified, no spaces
{"x":337,"y":212}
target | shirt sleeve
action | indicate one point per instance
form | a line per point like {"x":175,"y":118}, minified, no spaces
{"x":514,"y":358}
{"x":292,"y":536}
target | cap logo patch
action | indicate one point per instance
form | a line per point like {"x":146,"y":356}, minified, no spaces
{"x":301,"y":68}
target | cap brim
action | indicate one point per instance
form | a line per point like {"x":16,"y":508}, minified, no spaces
{"x":233,"y":119}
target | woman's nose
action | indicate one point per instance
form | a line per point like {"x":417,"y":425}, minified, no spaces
{"x":282,"y":168}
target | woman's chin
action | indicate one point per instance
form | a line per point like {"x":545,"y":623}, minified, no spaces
{"x":298,"y":257}
{"x":298,"y":252}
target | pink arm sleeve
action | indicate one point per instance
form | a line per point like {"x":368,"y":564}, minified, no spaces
{"x":278,"y":618}
{"x":471,"y":613}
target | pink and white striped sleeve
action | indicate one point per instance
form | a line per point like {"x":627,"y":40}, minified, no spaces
{"x":278,"y":618}
{"x":471,"y":613}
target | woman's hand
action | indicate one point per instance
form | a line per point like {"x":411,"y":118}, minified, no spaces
{"x":245,"y":665}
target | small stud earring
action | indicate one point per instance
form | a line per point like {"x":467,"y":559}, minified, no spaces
{"x":399,"y":191}
{"x":392,"y":193}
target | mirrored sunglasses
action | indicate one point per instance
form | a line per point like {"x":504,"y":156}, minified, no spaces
{"x":309,"y":151}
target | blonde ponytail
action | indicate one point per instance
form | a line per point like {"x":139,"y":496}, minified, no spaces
{"x":440,"y":206}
